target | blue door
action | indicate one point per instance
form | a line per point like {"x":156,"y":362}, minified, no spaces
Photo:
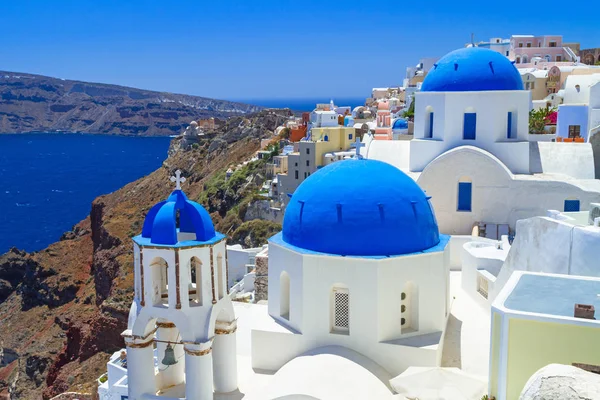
{"x":571,"y":205}
{"x":470,"y":126}
{"x":464,"y":196}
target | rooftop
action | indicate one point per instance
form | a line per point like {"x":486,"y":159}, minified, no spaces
{"x":551,"y":295}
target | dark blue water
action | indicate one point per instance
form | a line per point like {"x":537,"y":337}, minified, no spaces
{"x":305,"y":104}
{"x":48,"y":181}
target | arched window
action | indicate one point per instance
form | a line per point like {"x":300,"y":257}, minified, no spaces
{"x":284,"y":295}
{"x":465,"y":194}
{"x":196,"y":291}
{"x":160,"y":281}
{"x":409,"y":307}
{"x":469,"y":124}
{"x":326,"y":138}
{"x":548,"y":57}
{"x":525,"y":59}
{"x":428,"y":134}
{"x":511,"y":125}
{"x":518,"y":60}
{"x":340,"y":309}
{"x":220,"y":280}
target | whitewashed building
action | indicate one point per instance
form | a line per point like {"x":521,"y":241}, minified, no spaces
{"x":359,"y":264}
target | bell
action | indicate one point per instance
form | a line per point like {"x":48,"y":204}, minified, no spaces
{"x":169,"y":358}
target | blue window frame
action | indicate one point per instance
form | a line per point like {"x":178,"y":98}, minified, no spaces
{"x":464,"y":196}
{"x":350,"y":137}
{"x":509,"y":133}
{"x":430,"y":130}
{"x":326,"y":138}
{"x":571,"y":205}
{"x":470,"y":126}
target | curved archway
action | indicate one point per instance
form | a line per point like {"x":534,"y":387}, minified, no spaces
{"x":159,"y":281}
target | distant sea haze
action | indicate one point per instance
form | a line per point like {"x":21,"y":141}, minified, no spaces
{"x":305,"y":104}
{"x":48,"y":181}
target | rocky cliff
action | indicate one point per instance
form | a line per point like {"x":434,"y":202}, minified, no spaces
{"x":40,"y":103}
{"x":62,"y":309}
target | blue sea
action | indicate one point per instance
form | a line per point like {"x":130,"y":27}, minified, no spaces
{"x":48,"y":181}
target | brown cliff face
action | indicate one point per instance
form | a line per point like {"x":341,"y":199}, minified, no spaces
{"x":40,"y":103}
{"x":63,"y":308}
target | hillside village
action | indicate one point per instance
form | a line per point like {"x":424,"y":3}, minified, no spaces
{"x":438,"y":242}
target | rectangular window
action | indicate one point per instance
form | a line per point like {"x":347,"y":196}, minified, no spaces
{"x":520,"y":44}
{"x":305,"y":175}
{"x":296,"y":173}
{"x":552,"y":44}
{"x":470,"y":126}
{"x":307,"y":151}
{"x":350,"y":136}
{"x":558,"y":58}
{"x":574,"y":131}
{"x":341,"y":310}
{"x":509,"y":122}
{"x":571,"y":205}
{"x":528,"y":44}
{"x":307,"y":163}
{"x":464,"y":196}
{"x":507,"y":54}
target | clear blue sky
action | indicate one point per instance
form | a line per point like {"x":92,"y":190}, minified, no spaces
{"x":251,"y":49}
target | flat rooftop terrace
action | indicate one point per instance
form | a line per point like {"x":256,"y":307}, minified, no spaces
{"x":552,"y":295}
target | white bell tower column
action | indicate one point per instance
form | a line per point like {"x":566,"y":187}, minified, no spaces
{"x":140,"y":367}
{"x":169,"y":375}
{"x":224,"y":357}
{"x":198,"y":371}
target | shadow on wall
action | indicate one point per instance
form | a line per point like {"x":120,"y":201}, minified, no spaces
{"x":451,"y":353}
{"x":595,"y":141}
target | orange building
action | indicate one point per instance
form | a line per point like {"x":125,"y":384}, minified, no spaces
{"x":299,"y":131}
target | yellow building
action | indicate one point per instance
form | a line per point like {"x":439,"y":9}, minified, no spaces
{"x":331,"y":139}
{"x":540,"y":319}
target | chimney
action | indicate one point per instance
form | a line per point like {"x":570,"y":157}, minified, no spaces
{"x":586,"y":311}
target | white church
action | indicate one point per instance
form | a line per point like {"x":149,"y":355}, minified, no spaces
{"x":472,"y":151}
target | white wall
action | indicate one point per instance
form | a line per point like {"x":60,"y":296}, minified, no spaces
{"x":572,"y":114}
{"x":375,"y":287}
{"x":498,"y":196}
{"x":492,"y":109}
{"x":546,"y":245}
{"x":573,"y":159}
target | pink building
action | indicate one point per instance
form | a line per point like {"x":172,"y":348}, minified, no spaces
{"x":383,"y":130}
{"x":524,"y":49}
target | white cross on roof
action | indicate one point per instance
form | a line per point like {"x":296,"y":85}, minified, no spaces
{"x":178,"y":179}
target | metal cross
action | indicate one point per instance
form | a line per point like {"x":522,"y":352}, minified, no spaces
{"x":178,"y":179}
{"x":358,"y":146}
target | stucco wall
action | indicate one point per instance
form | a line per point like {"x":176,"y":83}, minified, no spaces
{"x":395,"y":152}
{"x":497,"y":196}
{"x":573,"y":159}
{"x":375,"y":287}
{"x":546,"y":245}
{"x":492,"y":110}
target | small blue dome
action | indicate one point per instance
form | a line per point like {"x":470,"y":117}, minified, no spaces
{"x":400,"y":123}
{"x":472,"y":69}
{"x":360,"y":208}
{"x":160,"y":225}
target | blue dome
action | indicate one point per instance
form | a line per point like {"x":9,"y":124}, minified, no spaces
{"x":360,"y":208}
{"x":160,"y":225}
{"x":400,"y":123}
{"x":472,"y":69}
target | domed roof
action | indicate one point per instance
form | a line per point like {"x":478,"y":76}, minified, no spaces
{"x":472,"y":69}
{"x":360,"y":208}
{"x":400,"y":123}
{"x":161,"y":225}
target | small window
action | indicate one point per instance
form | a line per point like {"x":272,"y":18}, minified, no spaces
{"x":571,"y":205}
{"x":296,"y":173}
{"x":296,"y":164}
{"x":559,"y":58}
{"x":509,"y":126}
{"x":507,"y":54}
{"x":528,"y":44}
{"x":341,"y":310}
{"x":464,"y":196}
{"x":307,"y":163}
{"x":552,"y":44}
{"x":307,"y":151}
{"x":574,"y":131}
{"x":520,"y":44}
{"x":326,"y":138}
{"x":470,"y":126}
{"x":305,"y":175}
{"x":350,"y":136}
